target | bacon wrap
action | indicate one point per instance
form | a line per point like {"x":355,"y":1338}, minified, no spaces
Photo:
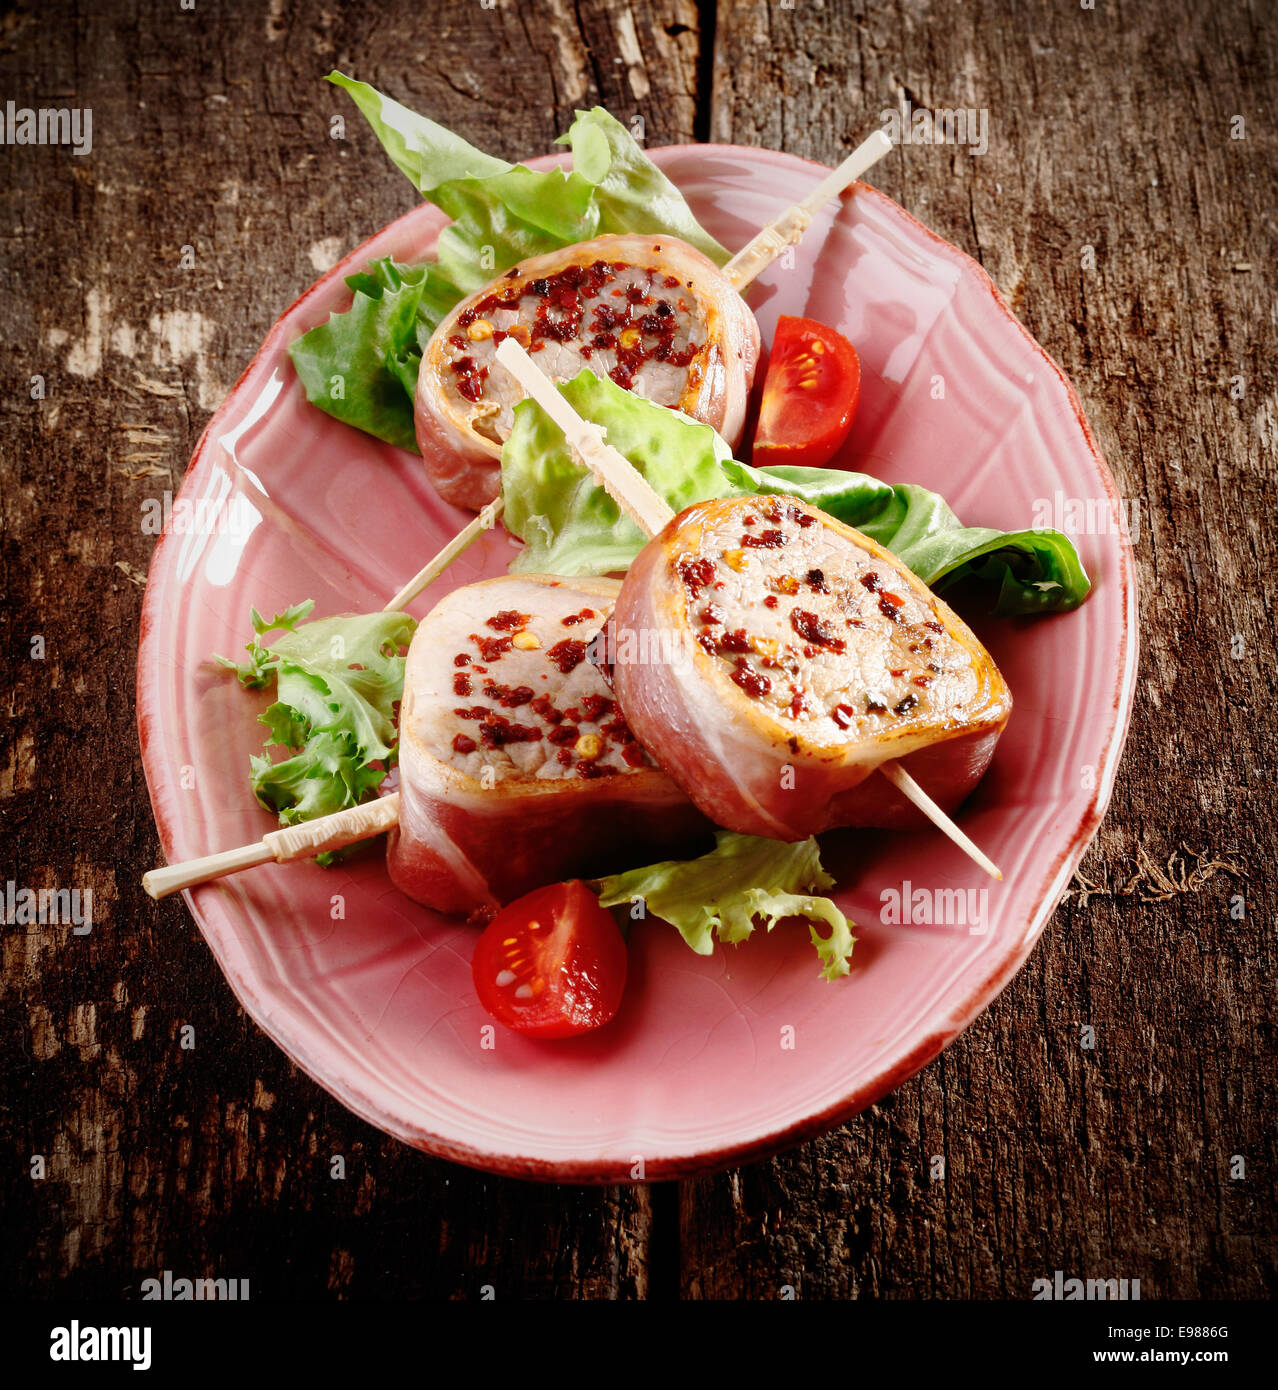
{"x":695,"y":347}
{"x":809,"y":656}
{"x":520,"y":806}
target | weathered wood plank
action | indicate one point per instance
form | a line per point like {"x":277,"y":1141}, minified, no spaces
{"x":212,"y":131}
{"x":1108,"y":128}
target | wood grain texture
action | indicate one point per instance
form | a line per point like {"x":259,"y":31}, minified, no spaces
{"x":1108,"y":128}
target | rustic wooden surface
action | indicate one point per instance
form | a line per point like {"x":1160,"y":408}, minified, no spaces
{"x":1108,"y":127}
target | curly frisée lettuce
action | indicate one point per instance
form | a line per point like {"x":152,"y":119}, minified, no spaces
{"x":744,"y":880}
{"x":337,"y":682}
{"x":569,"y":524}
{"x":362,"y":365}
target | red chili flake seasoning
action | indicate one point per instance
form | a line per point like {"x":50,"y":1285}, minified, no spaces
{"x":906,"y":705}
{"x":753,"y":682}
{"x":474,"y":712}
{"x":499,"y":731}
{"x":843,"y":715}
{"x":706,"y":643}
{"x":564,"y":735}
{"x":712,"y":615}
{"x":593,"y":769}
{"x":696,"y":573}
{"x":898,"y":670}
{"x":671,"y":282}
{"x":594,"y":707}
{"x":734,"y":641}
{"x":632,"y":755}
{"x":461,"y":659}
{"x":933,"y":626}
{"x":461,"y":684}
{"x":544,"y":707}
{"x":813,"y":630}
{"x":922,"y":681}
{"x":491,"y":648}
{"x":816,"y":579}
{"x":564,"y":756}
{"x":462,"y":744}
{"x":508,"y":697}
{"x":890,"y":606}
{"x":567,"y":655}
{"x":470,"y":378}
{"x":800,"y":704}
{"x":873,"y":706}
{"x":765,"y":540}
{"x":872,"y":582}
{"x":771,"y":601}
{"x":583,"y":617}
{"x":508,"y":620}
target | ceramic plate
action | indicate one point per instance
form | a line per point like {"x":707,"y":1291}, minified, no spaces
{"x":711,"y":1060}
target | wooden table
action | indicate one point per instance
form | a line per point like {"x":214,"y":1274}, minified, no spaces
{"x":1142,"y":131}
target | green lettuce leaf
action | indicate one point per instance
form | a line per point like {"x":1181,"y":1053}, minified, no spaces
{"x":338,"y":681}
{"x":362,"y":365}
{"x":631,"y":193}
{"x":570,"y":525}
{"x":744,"y":881}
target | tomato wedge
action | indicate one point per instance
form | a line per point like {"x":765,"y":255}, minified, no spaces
{"x":810,"y":395}
{"x":552,"y":963}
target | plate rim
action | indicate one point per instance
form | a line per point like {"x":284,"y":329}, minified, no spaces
{"x":978,"y":999}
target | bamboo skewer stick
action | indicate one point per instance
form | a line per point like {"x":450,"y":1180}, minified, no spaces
{"x":615,"y":472}
{"x":911,"y":790}
{"x":612,"y":470}
{"x":463,"y":540}
{"x":302,"y":841}
{"x":767,"y":244}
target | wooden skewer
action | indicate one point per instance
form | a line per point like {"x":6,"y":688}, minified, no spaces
{"x":302,"y":841}
{"x":766,"y":245}
{"x":624,"y":483}
{"x":463,"y":540}
{"x":910,"y":789}
{"x":615,"y":473}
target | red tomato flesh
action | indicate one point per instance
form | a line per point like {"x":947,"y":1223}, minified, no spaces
{"x":810,"y":395}
{"x":552,"y":963}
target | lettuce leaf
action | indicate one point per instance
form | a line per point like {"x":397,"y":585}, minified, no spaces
{"x":631,"y":193}
{"x":337,"y":682}
{"x":362,"y":365}
{"x":707,"y":899}
{"x":570,"y":525}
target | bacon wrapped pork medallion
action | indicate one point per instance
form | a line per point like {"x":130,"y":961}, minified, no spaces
{"x":770,"y":658}
{"x":650,"y":312}
{"x":516,"y":767}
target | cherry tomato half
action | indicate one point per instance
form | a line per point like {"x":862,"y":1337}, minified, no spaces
{"x":552,"y":963}
{"x":809,"y":395}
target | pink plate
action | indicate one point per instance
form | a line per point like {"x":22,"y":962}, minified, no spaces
{"x":712,"y":1060}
